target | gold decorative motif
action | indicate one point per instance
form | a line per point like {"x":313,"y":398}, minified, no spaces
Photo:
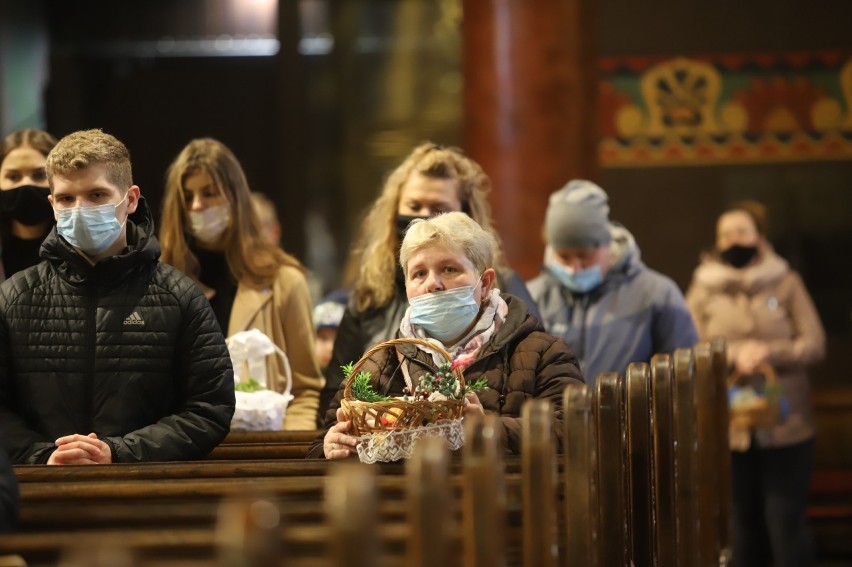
{"x":731,"y":108}
{"x":681,"y":97}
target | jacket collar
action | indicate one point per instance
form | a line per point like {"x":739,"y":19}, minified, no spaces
{"x":716,"y":275}
{"x":142,"y":248}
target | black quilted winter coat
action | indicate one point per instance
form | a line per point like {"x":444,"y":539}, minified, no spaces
{"x":128,"y":349}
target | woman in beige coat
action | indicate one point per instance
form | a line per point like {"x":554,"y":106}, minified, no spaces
{"x":748,"y":294}
{"x":212,"y":232}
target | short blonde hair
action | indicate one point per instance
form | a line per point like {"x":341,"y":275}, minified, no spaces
{"x":454,"y":231}
{"x":86,"y":148}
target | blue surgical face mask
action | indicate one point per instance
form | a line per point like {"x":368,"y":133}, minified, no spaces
{"x":578,"y":281}
{"x":445,"y":315}
{"x":90,"y":229}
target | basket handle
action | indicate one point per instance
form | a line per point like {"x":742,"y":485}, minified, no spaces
{"x":766,"y":369}
{"x":347,"y":390}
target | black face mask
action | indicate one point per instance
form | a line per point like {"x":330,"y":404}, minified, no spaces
{"x":27,"y":204}
{"x":738,"y":256}
{"x":402,"y":222}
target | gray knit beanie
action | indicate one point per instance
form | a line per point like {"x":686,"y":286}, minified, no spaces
{"x":578,"y":216}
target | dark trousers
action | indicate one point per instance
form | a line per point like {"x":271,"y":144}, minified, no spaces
{"x":770,"y":498}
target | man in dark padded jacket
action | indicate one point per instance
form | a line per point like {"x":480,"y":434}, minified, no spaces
{"x":106,"y":354}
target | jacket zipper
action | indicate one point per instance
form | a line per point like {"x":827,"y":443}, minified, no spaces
{"x":584,"y":313}
{"x":91,"y":347}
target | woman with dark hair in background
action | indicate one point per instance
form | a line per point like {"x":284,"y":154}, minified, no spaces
{"x":747,"y":293}
{"x":26,"y":216}
{"x":211,"y":231}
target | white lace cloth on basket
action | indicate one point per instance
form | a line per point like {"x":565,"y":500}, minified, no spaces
{"x":396,"y":445}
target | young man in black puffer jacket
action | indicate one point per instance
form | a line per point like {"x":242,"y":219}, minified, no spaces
{"x":106,"y":354}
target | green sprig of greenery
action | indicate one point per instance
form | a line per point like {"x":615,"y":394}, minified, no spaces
{"x":361,"y":387}
{"x":251,"y":386}
{"x":481,"y":384}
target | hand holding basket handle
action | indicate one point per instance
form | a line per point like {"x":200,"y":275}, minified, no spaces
{"x":337,"y":443}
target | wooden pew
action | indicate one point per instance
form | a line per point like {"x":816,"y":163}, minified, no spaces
{"x":652,"y":441}
{"x":686,"y":455}
{"x":248,"y":437}
{"x":485,"y":496}
{"x":538,"y":483}
{"x":350,"y":502}
{"x":664,"y":459}
{"x":184,"y":512}
{"x":429,"y":506}
{"x":581,"y":476}
{"x":245,"y":445}
{"x":667,"y":504}
{"x":828,"y":519}
{"x":188,"y":535}
{"x":641,"y":463}
{"x":719,"y":357}
{"x":709,"y":454}
{"x":614,"y":541}
{"x":167,"y":512}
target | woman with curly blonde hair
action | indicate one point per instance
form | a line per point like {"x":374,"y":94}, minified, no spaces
{"x":433,"y":179}
{"x":211,"y":231}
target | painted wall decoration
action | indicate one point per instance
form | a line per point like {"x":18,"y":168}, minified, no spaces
{"x":725,"y":108}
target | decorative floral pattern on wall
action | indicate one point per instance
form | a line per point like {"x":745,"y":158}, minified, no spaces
{"x":725,"y":108}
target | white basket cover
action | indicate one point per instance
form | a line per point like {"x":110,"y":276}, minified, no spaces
{"x":262,"y":410}
{"x":396,"y":445}
{"x":259,"y":411}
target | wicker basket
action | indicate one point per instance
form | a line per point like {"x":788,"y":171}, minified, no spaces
{"x":764,"y":410}
{"x":388,"y":430}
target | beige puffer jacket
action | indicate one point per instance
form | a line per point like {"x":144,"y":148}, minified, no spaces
{"x":768,"y":302}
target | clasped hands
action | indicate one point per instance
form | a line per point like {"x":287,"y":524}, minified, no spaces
{"x":337,"y":444}
{"x":80,"y":450}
